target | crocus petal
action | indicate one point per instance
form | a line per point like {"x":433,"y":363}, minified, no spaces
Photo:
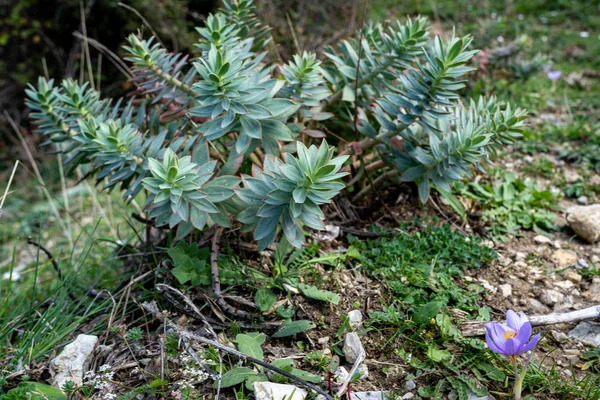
{"x":512,"y":346}
{"x":493,"y":346}
{"x":525,"y":332}
{"x":512,"y":320}
{"x":497,"y":330}
{"x":529,"y":346}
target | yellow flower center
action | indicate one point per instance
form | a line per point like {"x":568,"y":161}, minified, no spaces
{"x":510,"y":334}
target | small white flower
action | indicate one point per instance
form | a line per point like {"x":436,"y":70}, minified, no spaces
{"x":104,"y":368}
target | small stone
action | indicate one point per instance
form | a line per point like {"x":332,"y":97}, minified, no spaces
{"x":355,"y":319}
{"x":564,"y":284}
{"x":587,"y":333}
{"x":352,"y":347}
{"x":568,"y":373}
{"x":585,"y":221}
{"x":369,"y":395}
{"x":506,"y":290}
{"x":564,"y":258}
{"x":583,"y":200}
{"x":560,"y":337}
{"x":407,"y":396}
{"x":571,"y":176}
{"x":541,"y":239}
{"x":573,"y":277}
{"x":489,"y":287}
{"x":410,"y":385}
{"x":581,"y":264}
{"x":537,"y":306}
{"x":551,"y":297}
{"x":519,"y":256}
{"x":340,"y":375}
{"x":278,"y":391}
{"x":323,"y":340}
{"x":521,"y":264}
{"x":68,"y":365}
{"x":330,"y":233}
{"x":595,"y":259}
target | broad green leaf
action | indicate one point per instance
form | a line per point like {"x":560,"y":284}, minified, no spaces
{"x":437,"y":355}
{"x":426,"y":312}
{"x":235,"y":376}
{"x":265,"y":299}
{"x":250,"y":344}
{"x":293,"y":327}
{"x":318,"y":294}
{"x":34,"y":391}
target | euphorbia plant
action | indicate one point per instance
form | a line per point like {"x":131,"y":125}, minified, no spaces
{"x":196,"y":126}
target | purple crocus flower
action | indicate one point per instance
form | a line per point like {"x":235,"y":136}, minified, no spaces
{"x":553,"y":75}
{"x":512,"y":338}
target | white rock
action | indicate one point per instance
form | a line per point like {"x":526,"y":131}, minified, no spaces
{"x":585,"y":221}
{"x":369,"y":395}
{"x":519,"y":256}
{"x":68,"y":365}
{"x":330,"y":233}
{"x":586,"y":332}
{"x":488,"y":286}
{"x":541,"y":239}
{"x":352,"y":347}
{"x":340,"y":376}
{"x":278,"y":391}
{"x":355,"y":318}
{"x":583,"y":200}
{"x":564,"y":284}
{"x":410,"y":385}
{"x":551,"y":297}
{"x":407,"y":396}
{"x":582,"y":264}
{"x":506,"y":290}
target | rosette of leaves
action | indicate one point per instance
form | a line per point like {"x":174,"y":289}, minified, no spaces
{"x":237,"y":96}
{"x":290,"y":193}
{"x":180,"y":193}
{"x":305,"y":84}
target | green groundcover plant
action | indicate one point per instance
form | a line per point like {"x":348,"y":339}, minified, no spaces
{"x":234,"y":135}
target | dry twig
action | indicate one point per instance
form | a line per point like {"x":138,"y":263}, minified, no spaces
{"x":153,"y":309}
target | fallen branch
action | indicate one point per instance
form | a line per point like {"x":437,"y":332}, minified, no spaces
{"x":153,"y":309}
{"x":476,"y":328}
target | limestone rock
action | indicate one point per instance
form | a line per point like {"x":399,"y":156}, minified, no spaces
{"x":352,"y":347}
{"x":68,"y":365}
{"x":506,"y":290}
{"x":278,"y":391}
{"x":585,"y":221}
{"x":355,"y":319}
{"x":586,"y":332}
{"x":551,"y":297}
